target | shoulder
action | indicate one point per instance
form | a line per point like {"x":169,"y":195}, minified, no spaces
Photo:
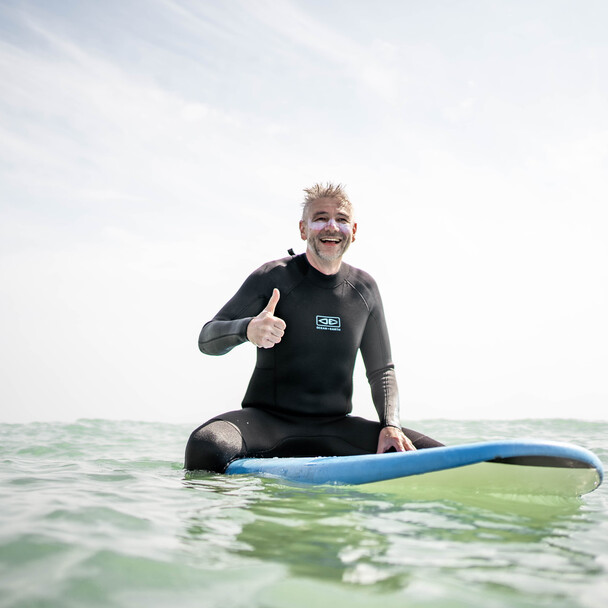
{"x":361,"y":279}
{"x":277,"y":273}
{"x":365,"y":285}
{"x":275,"y":267}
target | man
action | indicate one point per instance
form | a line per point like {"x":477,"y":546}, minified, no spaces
{"x":308,"y":315}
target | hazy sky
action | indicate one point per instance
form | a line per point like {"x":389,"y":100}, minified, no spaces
{"x":153,"y":153}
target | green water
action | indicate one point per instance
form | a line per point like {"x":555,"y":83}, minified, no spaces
{"x":100,"y":513}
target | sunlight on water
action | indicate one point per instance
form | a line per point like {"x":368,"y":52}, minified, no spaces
{"x":100,"y":513}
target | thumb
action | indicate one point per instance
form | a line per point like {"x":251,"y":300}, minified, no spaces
{"x":272,"y":303}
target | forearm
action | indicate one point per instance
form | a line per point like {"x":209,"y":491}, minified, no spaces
{"x":219,"y":337}
{"x":385,"y":395}
{"x":228,"y":328}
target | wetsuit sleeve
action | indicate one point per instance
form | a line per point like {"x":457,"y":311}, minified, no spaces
{"x":385,"y":396}
{"x":376,"y":352}
{"x":229,"y":326}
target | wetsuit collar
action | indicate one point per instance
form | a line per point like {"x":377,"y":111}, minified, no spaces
{"x":318,"y":278}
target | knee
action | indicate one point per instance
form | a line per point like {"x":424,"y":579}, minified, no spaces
{"x":213,"y":446}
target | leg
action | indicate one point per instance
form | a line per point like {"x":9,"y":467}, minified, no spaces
{"x":305,"y":436}
{"x":361,"y":436}
{"x":213,"y":445}
{"x":255,"y":433}
{"x":237,"y":434}
{"x":420,"y":441}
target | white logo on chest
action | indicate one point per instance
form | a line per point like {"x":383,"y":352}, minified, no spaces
{"x":329,"y":323}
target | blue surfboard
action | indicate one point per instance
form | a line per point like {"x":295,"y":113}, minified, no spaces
{"x":508,"y":467}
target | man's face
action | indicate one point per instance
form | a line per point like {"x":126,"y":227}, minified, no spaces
{"x":328,"y":228}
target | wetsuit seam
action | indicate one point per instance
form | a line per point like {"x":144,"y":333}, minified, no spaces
{"x":268,"y":274}
{"x":223,"y":337}
{"x":294,"y":287}
{"x":386,"y":395}
{"x":354,"y":288}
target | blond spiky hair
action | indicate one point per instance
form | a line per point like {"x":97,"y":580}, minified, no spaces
{"x":327,"y":190}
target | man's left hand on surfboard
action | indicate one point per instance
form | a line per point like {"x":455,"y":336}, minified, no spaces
{"x":392,"y":439}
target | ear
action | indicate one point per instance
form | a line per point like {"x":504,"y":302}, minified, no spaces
{"x":354,"y":232}
{"x":303,"y":234}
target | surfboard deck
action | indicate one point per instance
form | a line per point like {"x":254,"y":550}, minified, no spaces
{"x":508,"y":467}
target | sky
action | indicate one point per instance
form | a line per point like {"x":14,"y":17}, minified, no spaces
{"x":153,"y":153}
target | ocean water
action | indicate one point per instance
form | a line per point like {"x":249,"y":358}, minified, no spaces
{"x":100,"y":513}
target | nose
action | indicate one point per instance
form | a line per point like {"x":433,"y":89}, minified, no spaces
{"x":331,"y":224}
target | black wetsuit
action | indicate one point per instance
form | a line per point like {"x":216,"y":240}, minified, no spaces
{"x":299,"y":395}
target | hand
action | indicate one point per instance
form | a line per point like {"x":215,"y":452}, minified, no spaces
{"x":266,"y":330}
{"x":392,"y":437}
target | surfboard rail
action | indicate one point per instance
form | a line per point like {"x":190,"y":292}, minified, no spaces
{"x":371,"y":468}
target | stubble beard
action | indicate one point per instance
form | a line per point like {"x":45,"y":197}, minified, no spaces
{"x":341,"y":249}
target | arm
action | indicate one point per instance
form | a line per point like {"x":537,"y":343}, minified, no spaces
{"x":385,"y":396}
{"x":220,"y":336}
{"x":240,"y":321}
{"x":375,"y":348}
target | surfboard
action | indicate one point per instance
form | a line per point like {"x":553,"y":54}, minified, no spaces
{"x":507,"y":467}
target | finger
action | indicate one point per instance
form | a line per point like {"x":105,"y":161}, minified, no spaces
{"x":278,"y":327}
{"x":270,"y":341}
{"x":383,"y":446}
{"x":409,"y":446}
{"x":403,"y":443}
{"x":272,"y":303}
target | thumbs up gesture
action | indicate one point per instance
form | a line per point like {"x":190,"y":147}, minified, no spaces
{"x":266,"y":330}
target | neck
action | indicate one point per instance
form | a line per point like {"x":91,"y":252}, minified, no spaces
{"x":323,"y":266}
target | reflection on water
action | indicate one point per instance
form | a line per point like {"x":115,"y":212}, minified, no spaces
{"x":354,"y":536}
